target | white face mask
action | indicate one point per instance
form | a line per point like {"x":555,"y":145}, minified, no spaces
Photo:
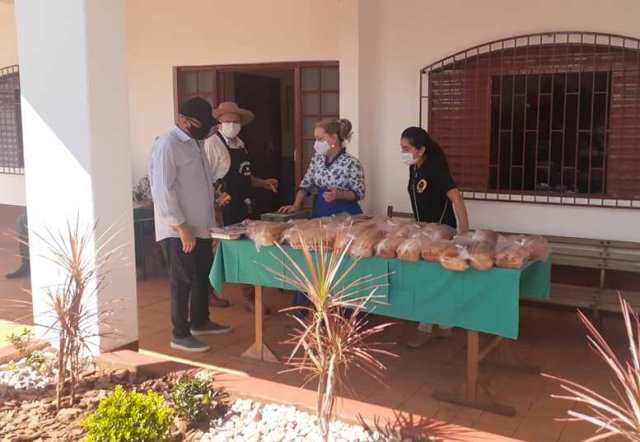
{"x":408,"y":159}
{"x":321,"y":147}
{"x":230,"y":130}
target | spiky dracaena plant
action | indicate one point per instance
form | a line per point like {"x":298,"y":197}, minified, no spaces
{"x":329,"y":342}
{"x":81,"y":257}
{"x":621,"y":415}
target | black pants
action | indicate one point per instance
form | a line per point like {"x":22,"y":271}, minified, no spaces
{"x":22,"y":231}
{"x":189,"y":281}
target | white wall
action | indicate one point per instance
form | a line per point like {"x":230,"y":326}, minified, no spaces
{"x":166,"y":33}
{"x":11,"y":186}
{"x":400,"y":37}
{"x":381,"y":45}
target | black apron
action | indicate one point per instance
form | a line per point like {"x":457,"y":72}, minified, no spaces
{"x":237,"y":183}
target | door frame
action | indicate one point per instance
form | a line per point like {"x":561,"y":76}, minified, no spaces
{"x":294,"y":66}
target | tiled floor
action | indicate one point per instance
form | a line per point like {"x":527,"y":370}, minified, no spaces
{"x":551,"y":339}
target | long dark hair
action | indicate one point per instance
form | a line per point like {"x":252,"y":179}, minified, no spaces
{"x":418,"y":137}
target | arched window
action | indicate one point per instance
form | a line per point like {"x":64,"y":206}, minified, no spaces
{"x":11,"y":153}
{"x":551,"y":118}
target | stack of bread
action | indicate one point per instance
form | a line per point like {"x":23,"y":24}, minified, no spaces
{"x":406,"y":240}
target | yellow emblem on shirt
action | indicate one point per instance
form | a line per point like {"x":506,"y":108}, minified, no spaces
{"x":421,"y":186}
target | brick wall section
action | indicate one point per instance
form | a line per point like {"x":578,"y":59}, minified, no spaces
{"x":460,"y":107}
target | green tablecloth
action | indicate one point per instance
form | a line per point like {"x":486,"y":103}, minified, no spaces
{"x":487,"y":302}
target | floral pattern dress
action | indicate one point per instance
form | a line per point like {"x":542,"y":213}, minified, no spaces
{"x":343,"y":173}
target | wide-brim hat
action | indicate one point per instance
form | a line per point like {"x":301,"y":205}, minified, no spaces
{"x":229,"y":107}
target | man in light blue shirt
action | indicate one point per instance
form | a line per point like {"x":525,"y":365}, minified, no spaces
{"x":183,"y":199}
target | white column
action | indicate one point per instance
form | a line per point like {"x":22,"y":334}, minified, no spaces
{"x":72,"y":57}
{"x":349,"y":50}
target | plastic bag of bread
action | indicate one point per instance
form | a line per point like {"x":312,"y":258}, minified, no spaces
{"x":388,"y":246}
{"x":431,"y":250}
{"x":488,"y":236}
{"x":265,"y":233}
{"x":411,"y":249}
{"x":482,"y":255}
{"x":348,"y":233}
{"x":310,"y":232}
{"x":364,"y":244}
{"x":455,"y":257}
{"x":538,"y":248}
{"x":511,"y":256}
{"x":464,"y":239}
{"x":438,"y":232}
{"x":514,"y":257}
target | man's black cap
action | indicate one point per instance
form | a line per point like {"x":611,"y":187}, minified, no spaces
{"x":198,"y":108}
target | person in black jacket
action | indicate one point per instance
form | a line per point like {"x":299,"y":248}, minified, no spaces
{"x":22,"y":236}
{"x":435,"y":198}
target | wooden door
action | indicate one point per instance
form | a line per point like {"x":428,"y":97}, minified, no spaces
{"x":317,"y":97}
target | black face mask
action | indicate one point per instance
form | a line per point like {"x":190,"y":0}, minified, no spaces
{"x":202,"y":132}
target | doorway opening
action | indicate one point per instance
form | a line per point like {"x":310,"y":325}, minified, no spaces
{"x":269,"y":138}
{"x":287,"y":100}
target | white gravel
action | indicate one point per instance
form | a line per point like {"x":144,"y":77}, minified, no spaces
{"x":250,"y":421}
{"x":22,"y":376}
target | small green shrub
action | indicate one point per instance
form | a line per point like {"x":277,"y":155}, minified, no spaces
{"x":129,"y":417}
{"x":21,"y":341}
{"x":193,"y":398}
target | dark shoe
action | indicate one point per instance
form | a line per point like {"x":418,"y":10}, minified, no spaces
{"x":23,"y":271}
{"x":189,"y":344}
{"x":211,"y":328}
{"x":219,"y":302}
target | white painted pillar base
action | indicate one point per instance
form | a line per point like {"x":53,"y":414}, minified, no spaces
{"x":76,"y":143}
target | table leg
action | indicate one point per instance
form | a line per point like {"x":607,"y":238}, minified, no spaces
{"x":473,"y":349}
{"x":470,"y":396}
{"x":259,"y":350}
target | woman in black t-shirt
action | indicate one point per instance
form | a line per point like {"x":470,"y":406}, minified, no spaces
{"x":434,"y":196}
{"x":433,"y":193}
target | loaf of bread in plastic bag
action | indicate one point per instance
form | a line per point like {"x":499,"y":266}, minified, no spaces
{"x":348,"y":233}
{"x":538,"y":248}
{"x":364,"y":244}
{"x":431,"y":250}
{"x":388,"y":246}
{"x":487,"y":236}
{"x":438,"y":232}
{"x":312,"y":233}
{"x":265,"y":233}
{"x":455,"y":258}
{"x":512,"y":257}
{"x":482,"y":255}
{"x":411,"y":249}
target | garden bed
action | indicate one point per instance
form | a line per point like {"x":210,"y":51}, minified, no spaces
{"x":28,"y":409}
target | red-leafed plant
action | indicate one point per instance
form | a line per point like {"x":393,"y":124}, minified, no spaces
{"x":610,"y":416}
{"x":335,"y":336}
